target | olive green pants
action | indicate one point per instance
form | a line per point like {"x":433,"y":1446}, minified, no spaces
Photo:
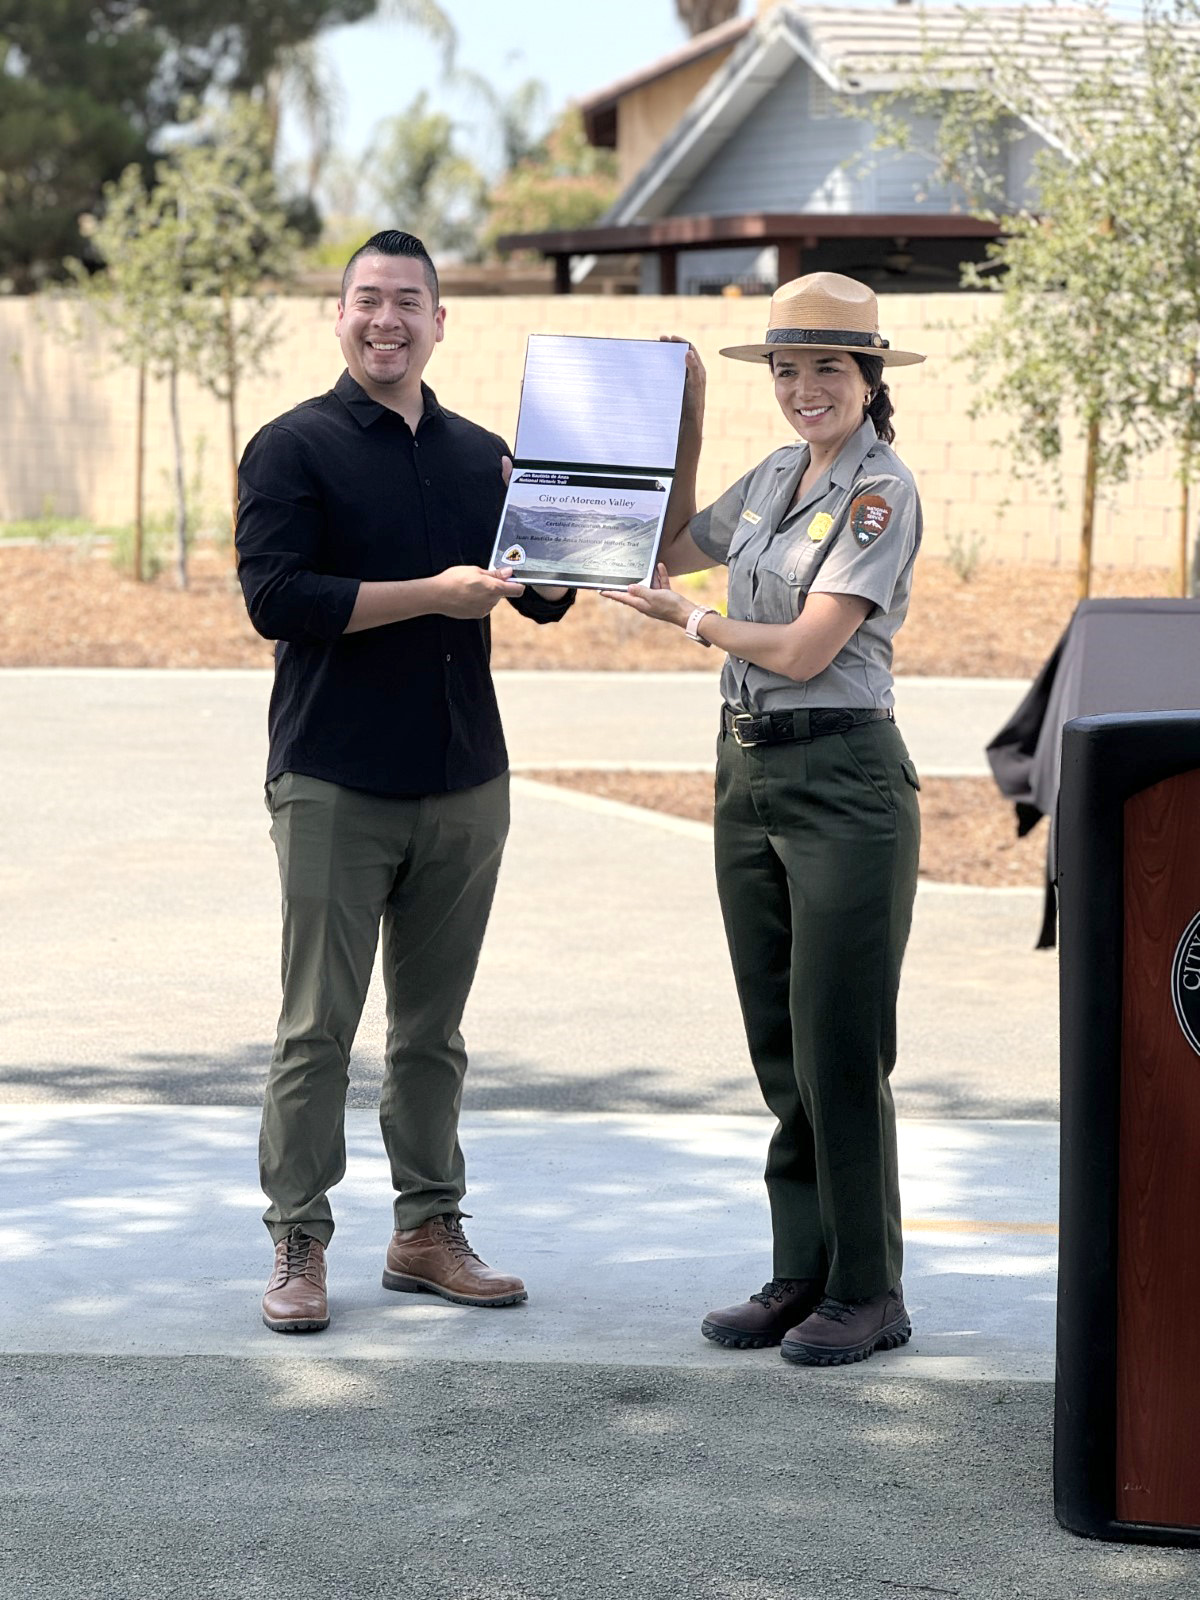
{"x":425,"y":870}
{"x":816,"y":850}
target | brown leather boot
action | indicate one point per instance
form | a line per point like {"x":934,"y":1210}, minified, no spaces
{"x":295,"y":1298}
{"x":765,"y":1317}
{"x":839,"y":1331}
{"x":437,"y":1258}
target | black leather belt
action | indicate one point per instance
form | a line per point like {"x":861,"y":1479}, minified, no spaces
{"x":792,"y":727}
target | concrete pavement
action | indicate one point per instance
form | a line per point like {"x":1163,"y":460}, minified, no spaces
{"x":139,"y":872}
{"x":634,"y":1223}
{"x":158,"y":1441}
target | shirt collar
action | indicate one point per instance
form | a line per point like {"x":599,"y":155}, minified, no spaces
{"x":850,"y":456}
{"x":365,"y":411}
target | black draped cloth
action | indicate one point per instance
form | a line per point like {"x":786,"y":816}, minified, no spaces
{"x":1116,"y":655}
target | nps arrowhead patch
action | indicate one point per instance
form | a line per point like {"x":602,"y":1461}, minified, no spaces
{"x":869,"y":516}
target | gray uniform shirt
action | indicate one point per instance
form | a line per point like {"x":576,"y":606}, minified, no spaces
{"x":856,"y":531}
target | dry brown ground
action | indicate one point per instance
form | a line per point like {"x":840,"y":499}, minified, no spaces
{"x":62,"y":606}
{"x":67,"y":606}
{"x":968,"y":830}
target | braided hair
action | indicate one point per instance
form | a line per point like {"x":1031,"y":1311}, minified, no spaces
{"x":879,"y":408}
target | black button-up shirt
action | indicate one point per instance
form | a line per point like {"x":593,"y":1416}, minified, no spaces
{"x":337,"y":492}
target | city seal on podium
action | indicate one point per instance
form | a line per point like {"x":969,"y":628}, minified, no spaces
{"x":1185,"y":983}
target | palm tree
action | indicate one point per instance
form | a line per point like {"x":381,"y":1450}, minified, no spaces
{"x":698,"y":16}
{"x":304,"y":79}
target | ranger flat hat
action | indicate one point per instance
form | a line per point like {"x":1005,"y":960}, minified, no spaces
{"x":824,"y":311}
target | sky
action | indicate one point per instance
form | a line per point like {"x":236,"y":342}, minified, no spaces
{"x":574,"y":46}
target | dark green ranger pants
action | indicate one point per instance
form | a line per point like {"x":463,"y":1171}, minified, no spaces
{"x":349,"y":862}
{"x":816,"y":850}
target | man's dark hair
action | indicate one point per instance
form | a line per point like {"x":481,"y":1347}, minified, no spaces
{"x":391,"y":242}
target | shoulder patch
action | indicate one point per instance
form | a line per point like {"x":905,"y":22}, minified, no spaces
{"x":869,"y":516}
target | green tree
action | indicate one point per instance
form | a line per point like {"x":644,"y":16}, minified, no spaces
{"x":86,"y":85}
{"x":188,"y":265}
{"x":422,"y":181}
{"x":303,"y":80}
{"x":235,"y":249}
{"x":565,"y":183}
{"x":142,"y":301}
{"x":1098,"y":267}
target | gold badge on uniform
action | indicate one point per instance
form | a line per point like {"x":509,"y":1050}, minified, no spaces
{"x":751,"y":516}
{"x":819,"y":526}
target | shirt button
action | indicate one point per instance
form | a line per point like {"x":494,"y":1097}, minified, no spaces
{"x":427,"y":483}
{"x":791,"y":577}
{"x":447,"y":658}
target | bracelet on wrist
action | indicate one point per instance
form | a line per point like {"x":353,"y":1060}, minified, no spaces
{"x":692,"y":625}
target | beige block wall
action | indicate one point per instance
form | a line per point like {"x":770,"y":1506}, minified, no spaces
{"x":66,"y":444}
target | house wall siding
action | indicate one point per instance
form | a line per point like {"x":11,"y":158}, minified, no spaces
{"x":800,"y":151}
{"x":781,"y":159}
{"x":67,"y":442}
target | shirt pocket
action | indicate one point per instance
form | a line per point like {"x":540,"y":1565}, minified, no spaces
{"x":785,"y":572}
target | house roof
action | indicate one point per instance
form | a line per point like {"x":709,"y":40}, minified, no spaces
{"x":599,"y":109}
{"x":865,"y":50}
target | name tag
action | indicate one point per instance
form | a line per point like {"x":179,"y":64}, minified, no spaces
{"x":751,"y":516}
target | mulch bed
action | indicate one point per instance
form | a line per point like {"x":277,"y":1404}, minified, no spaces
{"x":968,"y":830}
{"x":66,"y":606}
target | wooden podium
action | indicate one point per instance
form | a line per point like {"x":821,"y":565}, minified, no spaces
{"x":1127,"y":1397}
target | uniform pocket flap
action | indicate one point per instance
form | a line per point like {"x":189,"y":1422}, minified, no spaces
{"x":910,"y":773}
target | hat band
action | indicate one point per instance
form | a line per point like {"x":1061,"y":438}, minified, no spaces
{"x":869,"y":341}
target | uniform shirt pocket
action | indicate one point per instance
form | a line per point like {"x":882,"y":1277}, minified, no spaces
{"x":785,"y":572}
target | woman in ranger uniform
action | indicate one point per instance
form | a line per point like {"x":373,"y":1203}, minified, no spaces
{"x":817,"y":827}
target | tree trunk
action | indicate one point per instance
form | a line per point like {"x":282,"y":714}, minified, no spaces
{"x":181,"y":516}
{"x":139,"y":477}
{"x":1189,"y":562}
{"x":231,"y":372}
{"x":1088,"y":523}
{"x":698,"y":16}
{"x":1187,"y":578}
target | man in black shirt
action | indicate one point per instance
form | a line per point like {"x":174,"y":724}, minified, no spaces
{"x":365,"y":519}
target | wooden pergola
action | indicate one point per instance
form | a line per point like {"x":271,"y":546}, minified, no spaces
{"x":794,"y":234}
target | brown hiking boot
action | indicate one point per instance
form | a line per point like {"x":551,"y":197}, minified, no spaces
{"x":765,"y":1317}
{"x":295,"y":1298}
{"x":437,"y":1258}
{"x":839,"y":1331}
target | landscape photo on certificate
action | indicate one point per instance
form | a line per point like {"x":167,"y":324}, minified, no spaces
{"x":586,"y":530}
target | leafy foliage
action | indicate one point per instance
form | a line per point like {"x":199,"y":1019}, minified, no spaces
{"x":1098,"y":269}
{"x":565,"y":183}
{"x":86,"y":85}
{"x":421,"y":180}
{"x":186,"y":262}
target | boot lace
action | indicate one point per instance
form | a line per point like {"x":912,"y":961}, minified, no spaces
{"x":835,"y":1310}
{"x":456,"y":1240}
{"x":777,"y":1289}
{"x":298,"y":1261}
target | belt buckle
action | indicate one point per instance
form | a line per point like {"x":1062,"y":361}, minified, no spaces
{"x":737,"y":719}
